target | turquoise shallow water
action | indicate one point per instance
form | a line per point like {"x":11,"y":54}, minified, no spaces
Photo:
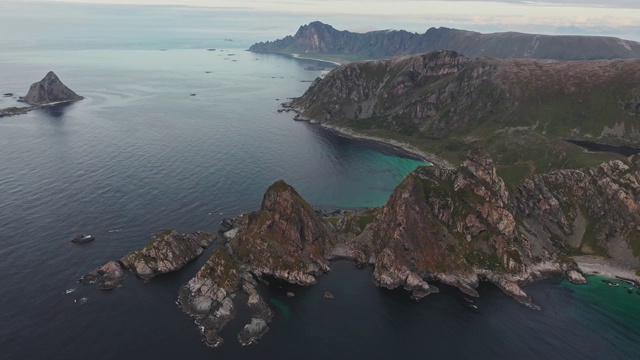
{"x":140,"y":154}
{"x":612,"y":311}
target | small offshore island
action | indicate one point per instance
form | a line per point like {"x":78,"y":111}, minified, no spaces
{"x":49,"y":91}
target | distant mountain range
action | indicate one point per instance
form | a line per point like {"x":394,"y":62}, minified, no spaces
{"x":318,"y":38}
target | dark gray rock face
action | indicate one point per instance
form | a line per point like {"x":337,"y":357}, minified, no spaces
{"x":50,"y":90}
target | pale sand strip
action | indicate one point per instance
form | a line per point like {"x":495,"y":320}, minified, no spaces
{"x":591,"y":265}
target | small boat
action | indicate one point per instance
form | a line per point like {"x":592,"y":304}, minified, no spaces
{"x":81,"y":239}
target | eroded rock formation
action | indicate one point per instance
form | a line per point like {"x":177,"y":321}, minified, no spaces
{"x":169,"y":251}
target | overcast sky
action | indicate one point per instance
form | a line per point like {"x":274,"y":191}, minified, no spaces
{"x":595,"y":17}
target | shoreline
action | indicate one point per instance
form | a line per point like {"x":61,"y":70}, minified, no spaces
{"x":400,"y":146}
{"x":596,"y":265}
{"x":297,"y":56}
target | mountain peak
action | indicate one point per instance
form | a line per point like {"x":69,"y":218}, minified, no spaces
{"x":50,"y":90}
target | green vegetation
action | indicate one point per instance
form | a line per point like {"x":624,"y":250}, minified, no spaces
{"x":366,"y":218}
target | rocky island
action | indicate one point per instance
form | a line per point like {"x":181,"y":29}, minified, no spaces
{"x":47,"y":92}
{"x":167,"y":252}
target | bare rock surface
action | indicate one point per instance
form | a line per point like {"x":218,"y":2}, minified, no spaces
{"x":169,"y":251}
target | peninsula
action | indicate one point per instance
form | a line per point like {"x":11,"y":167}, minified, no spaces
{"x":319,"y":40}
{"x":521,"y":111}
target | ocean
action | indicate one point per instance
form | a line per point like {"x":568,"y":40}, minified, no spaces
{"x":178,"y":129}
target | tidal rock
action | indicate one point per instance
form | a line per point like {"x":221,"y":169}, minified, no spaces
{"x":169,"y":251}
{"x":108,"y":277}
{"x":290,"y":294}
{"x":575,"y":277}
{"x":328,"y":295}
{"x":82,"y":239}
{"x":50,"y":90}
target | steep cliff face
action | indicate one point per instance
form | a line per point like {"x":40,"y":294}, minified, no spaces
{"x":463,"y":225}
{"x":585,"y":211}
{"x":432,"y":93}
{"x":169,"y":251}
{"x":443,"y":93}
{"x":454,"y":225}
{"x":285,"y":238}
{"x":50,"y":90}
{"x":323,"y":39}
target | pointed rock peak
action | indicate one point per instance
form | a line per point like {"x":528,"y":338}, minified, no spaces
{"x":51,"y":76}
{"x":50,"y":90}
{"x":280,"y":194}
{"x":314,"y":26}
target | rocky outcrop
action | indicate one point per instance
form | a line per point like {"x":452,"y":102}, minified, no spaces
{"x":209,"y":297}
{"x":108,"y":277}
{"x":285,"y":239}
{"x":319,"y":38}
{"x":587,"y":211}
{"x":460,"y":226}
{"x":50,"y":90}
{"x":169,"y":251}
{"x":451,"y":225}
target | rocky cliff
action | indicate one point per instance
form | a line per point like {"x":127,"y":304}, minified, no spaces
{"x":169,"y":251}
{"x":447,"y":104}
{"x":50,"y":90}
{"x":317,"y":38}
{"x":285,"y":238}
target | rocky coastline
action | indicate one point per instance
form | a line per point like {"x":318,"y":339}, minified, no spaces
{"x":455,"y":226}
{"x":402,"y":147}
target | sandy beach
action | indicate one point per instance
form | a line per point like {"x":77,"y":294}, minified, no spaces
{"x":297,"y":56}
{"x":592,"y":265}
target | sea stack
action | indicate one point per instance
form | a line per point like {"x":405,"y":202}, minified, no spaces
{"x":50,"y":90}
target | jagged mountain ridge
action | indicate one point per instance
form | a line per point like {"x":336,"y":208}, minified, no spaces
{"x":320,"y":38}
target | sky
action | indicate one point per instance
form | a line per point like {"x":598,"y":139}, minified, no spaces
{"x":582,"y":17}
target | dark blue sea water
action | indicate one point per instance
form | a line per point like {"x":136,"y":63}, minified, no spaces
{"x":140,"y":154}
